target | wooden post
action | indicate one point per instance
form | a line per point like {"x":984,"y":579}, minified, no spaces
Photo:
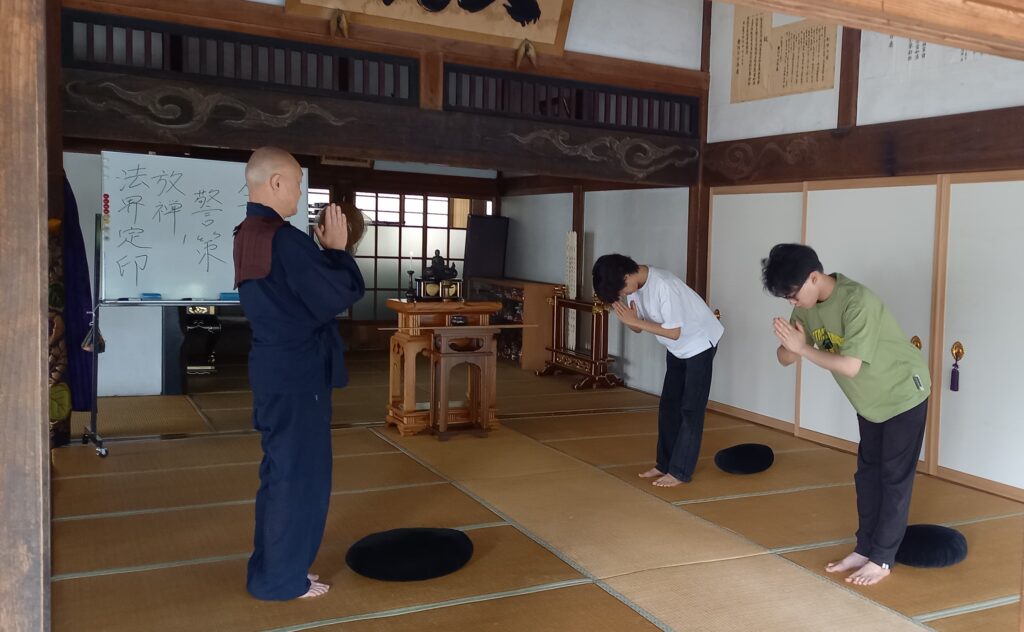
{"x":700,"y":195}
{"x":24,"y":450}
{"x":849,"y":75}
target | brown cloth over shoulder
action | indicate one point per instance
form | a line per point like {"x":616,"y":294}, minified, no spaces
{"x":253,"y":240}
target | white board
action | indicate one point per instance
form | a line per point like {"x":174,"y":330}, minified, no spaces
{"x":168,"y":223}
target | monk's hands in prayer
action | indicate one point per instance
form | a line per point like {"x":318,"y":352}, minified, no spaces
{"x":790,"y":337}
{"x":332,"y":232}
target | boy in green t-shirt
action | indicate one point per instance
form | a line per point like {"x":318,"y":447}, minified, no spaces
{"x":840,"y":325}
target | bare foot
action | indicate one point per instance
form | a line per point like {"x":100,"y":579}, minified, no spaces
{"x":667,"y":481}
{"x":312,"y":577}
{"x":868,"y":575}
{"x":853,"y":561}
{"x":316,"y":589}
{"x":651,"y":473}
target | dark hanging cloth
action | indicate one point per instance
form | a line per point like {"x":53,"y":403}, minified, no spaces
{"x":253,"y":240}
{"x":77,"y":305}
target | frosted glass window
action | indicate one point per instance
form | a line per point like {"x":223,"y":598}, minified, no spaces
{"x":437,"y":239}
{"x":457,"y":246}
{"x":367,"y":245}
{"x":387,"y":273}
{"x":387,"y":241}
{"x":383,"y":311}
{"x":412,"y":242}
{"x":366,"y":267}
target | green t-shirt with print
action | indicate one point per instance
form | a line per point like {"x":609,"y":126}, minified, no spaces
{"x":893,"y":377}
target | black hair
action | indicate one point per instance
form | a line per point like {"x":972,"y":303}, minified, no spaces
{"x":787,"y":268}
{"x":610,"y":276}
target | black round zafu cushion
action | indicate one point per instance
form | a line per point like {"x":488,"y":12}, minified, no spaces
{"x":745,"y":458}
{"x":405,"y":555}
{"x":931,"y":546}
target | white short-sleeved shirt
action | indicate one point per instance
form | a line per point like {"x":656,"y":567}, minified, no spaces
{"x":666,"y":300}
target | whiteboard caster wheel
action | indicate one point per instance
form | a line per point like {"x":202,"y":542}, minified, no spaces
{"x":101,"y":451}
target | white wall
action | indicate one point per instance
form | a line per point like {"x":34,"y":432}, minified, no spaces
{"x":651,"y":227}
{"x":536,"y":236}
{"x":942,"y":81}
{"x":765,"y":117}
{"x":133,"y":361}
{"x":666,"y":32}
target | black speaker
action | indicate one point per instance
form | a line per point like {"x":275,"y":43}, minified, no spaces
{"x":486,"y":237}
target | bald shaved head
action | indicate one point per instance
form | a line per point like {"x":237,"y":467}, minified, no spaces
{"x":274,"y":179}
{"x":265,"y":162}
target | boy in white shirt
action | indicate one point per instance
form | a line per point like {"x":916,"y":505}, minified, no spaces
{"x":658,"y":302}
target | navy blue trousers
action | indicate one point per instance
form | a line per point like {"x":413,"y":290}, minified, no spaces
{"x":294,"y":493}
{"x":684,"y":398}
{"x":886,"y":464}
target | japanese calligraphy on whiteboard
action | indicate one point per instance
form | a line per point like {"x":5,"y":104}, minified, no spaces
{"x":167,"y":225}
{"x":772,"y":61}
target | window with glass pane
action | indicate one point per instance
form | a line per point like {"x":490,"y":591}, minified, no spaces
{"x":402,"y":233}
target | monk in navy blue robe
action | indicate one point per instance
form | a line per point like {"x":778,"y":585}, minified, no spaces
{"x":291,"y":291}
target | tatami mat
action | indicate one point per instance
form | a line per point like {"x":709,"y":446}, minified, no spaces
{"x":791,"y":470}
{"x":503,"y":560}
{"x":193,"y":534}
{"x":1001,"y":619}
{"x":606,"y":451}
{"x":142,"y":456}
{"x":992,"y":570}
{"x":763,"y":593}
{"x":606,"y":526}
{"x":182,"y":488}
{"x":549,"y":428}
{"x":578,"y":401}
{"x":500,"y":454}
{"x":141,"y":416}
{"x":822,"y":515}
{"x":585,"y":607}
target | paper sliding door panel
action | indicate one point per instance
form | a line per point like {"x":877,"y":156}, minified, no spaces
{"x":744,"y":227}
{"x":883,"y":238}
{"x":981,"y":431}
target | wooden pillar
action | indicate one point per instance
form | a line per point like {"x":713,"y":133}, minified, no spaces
{"x":24,"y":450}
{"x":432,"y":80}
{"x":578,"y":211}
{"x":700,"y":195}
{"x":849,"y":78}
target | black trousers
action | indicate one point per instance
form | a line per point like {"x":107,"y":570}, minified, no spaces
{"x":886,"y":463}
{"x":684,"y":398}
{"x":294,"y":492}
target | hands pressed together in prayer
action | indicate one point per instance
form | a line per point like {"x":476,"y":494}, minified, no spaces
{"x":791,"y":337}
{"x":628,"y":315}
{"x":332,"y":230}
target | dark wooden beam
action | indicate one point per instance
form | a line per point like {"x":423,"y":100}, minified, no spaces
{"x":24,"y":450}
{"x":320,"y":175}
{"x":55,"y":168}
{"x":541,"y":185}
{"x":119,"y":107}
{"x":975,"y":141}
{"x":272,"y":21}
{"x":849,"y":77}
{"x":699,"y":217}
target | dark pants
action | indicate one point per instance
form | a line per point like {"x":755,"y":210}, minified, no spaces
{"x":684,"y":398}
{"x":294,"y":493}
{"x":886,"y":463}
